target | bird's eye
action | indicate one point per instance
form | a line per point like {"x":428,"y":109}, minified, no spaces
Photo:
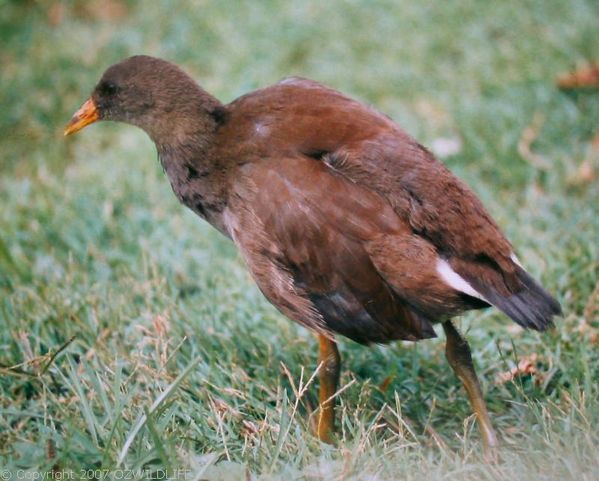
{"x":107,"y":88}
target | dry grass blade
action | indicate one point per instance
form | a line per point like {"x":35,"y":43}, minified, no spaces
{"x":529,"y":135}
{"x":586,"y":77}
{"x":55,"y":354}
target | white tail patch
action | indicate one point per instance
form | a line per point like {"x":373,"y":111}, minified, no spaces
{"x":514,"y":258}
{"x":453,"y":279}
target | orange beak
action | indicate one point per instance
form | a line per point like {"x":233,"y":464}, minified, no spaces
{"x":87,"y":114}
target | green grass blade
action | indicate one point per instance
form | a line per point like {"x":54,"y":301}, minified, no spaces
{"x":155,"y":405}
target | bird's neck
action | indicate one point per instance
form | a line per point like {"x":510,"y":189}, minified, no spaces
{"x":190,"y":117}
{"x":190,"y":159}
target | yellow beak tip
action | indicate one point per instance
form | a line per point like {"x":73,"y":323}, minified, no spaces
{"x":87,"y":114}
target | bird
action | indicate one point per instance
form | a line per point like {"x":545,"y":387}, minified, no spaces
{"x":347,"y":224}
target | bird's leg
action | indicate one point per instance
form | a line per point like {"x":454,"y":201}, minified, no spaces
{"x":330,"y":362}
{"x":458,"y":355}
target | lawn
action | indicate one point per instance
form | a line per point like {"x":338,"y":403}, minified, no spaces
{"x":133,"y":342}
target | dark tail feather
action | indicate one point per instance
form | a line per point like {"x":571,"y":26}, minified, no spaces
{"x":532,"y":307}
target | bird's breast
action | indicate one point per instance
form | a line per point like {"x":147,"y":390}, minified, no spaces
{"x":198,"y":187}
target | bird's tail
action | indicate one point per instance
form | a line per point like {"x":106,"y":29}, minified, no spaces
{"x":532,"y":306}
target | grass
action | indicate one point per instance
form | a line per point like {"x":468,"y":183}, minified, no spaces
{"x":133,"y":338}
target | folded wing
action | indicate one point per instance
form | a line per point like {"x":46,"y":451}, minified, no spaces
{"x":319,"y":247}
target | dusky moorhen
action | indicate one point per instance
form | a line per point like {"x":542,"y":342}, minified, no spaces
{"x":346,"y":223}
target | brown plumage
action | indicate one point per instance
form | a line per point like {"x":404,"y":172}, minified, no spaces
{"x":346,"y":223}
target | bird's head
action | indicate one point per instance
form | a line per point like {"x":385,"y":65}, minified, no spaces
{"x":148,"y":92}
